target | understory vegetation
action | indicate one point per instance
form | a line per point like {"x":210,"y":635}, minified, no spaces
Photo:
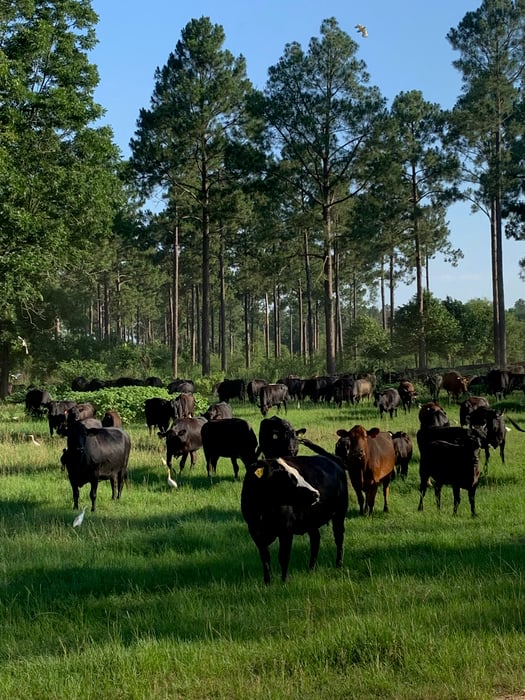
{"x":161,"y":595}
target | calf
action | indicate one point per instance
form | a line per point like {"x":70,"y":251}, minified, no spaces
{"x":159,"y":413}
{"x":183,"y":405}
{"x":218,"y":411}
{"x":403,"y":449}
{"x":111,"y":419}
{"x":182,"y":439}
{"x":231,"y":437}
{"x":370,"y":460}
{"x":449,"y":455}
{"x":278,"y":438}
{"x":387,"y":401}
{"x":273,"y":395}
{"x":468,"y":405}
{"x":407,"y":393}
{"x":291,"y":496}
{"x":94,"y":454}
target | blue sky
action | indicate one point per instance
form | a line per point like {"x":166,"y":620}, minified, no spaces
{"x":406,"y":49}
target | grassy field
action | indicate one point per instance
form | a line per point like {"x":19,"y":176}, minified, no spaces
{"x":160,"y":594}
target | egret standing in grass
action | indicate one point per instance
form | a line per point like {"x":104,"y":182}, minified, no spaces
{"x":77,"y":522}
{"x":171,"y":482}
{"x":32,"y":438}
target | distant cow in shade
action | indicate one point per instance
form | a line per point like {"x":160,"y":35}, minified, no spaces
{"x":273,"y":395}
{"x":218,"y":411}
{"x":403,"y":449}
{"x":230,"y":437}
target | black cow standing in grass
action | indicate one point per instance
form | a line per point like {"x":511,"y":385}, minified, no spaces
{"x":387,"y":401}
{"x":218,"y":411}
{"x":159,"y":413}
{"x":37,"y":401}
{"x":57,"y":416}
{"x":231,"y":437}
{"x":273,"y":395}
{"x":403,"y":449}
{"x":93,"y":455}
{"x":291,"y":496}
{"x":182,"y":439}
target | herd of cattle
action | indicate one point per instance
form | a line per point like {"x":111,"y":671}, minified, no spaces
{"x":285,"y":494}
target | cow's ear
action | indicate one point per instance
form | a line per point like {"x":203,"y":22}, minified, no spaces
{"x":301,"y":431}
{"x":373,"y":432}
{"x":341,"y":432}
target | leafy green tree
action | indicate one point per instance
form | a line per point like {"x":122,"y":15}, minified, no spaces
{"x":475,"y":322}
{"x":488,"y":122}
{"x":59,"y":184}
{"x":321,"y":114}
{"x":181,"y":142}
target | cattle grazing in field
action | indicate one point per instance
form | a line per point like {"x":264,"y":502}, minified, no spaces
{"x":273,"y":395}
{"x":218,"y":411}
{"x":491,"y":423}
{"x":431,"y":414}
{"x":183,"y":405}
{"x":370,"y":460}
{"x":231,"y":437}
{"x":232,"y":389}
{"x":403,"y":449}
{"x":498,"y":383}
{"x":159,"y":413}
{"x":185,"y":386}
{"x":343,"y":390}
{"x":111,"y":419}
{"x":278,"y":438}
{"x":387,"y":401}
{"x":295,"y":387}
{"x":37,"y":401}
{"x":468,"y":405}
{"x":291,"y":496}
{"x":454,"y":384}
{"x":363,"y":389}
{"x":433,"y":383}
{"x":449,"y":456}
{"x":253,"y":388}
{"x":57,"y":416}
{"x":93,"y":455}
{"x":182,"y":439}
{"x":407,"y":394}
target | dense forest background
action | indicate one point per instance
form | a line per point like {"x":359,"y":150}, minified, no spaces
{"x":288,"y":216}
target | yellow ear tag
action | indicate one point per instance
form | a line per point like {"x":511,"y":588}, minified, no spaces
{"x":259,"y":472}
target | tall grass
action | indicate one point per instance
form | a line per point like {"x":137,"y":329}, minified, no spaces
{"x":160,"y":594}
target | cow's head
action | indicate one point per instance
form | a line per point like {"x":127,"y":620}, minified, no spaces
{"x":282,"y":483}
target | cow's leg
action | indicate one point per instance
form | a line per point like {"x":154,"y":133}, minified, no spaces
{"x":502,"y":451}
{"x":315,"y":541}
{"x":386,"y":493}
{"x":76,"y":494}
{"x":182,"y":462}
{"x":264,"y":553}
{"x":235,"y":467}
{"x":285,"y":550}
{"x":457,"y":498}
{"x":472,"y":500}
{"x":371,"y":498}
{"x":93,"y":494}
{"x":437,"y":494}
{"x":121,"y":476}
{"x":285,"y":408}
{"x":338,"y":528}
{"x":422,"y":491}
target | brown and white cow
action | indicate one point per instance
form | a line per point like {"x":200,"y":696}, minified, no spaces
{"x":370,"y":460}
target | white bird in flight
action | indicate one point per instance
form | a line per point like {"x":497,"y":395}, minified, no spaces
{"x":362,"y":30}
{"x":77,"y":522}
{"x":171,"y":482}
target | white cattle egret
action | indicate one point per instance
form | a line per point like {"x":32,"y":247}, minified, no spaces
{"x":77,"y":522}
{"x":171,"y":482}
{"x":35,"y":442}
{"x":24,"y":344}
{"x":362,"y":30}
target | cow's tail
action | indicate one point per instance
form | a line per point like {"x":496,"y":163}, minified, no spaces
{"x":515,"y":424}
{"x":321,"y":451}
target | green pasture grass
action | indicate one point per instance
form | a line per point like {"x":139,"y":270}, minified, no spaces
{"x":160,"y":595}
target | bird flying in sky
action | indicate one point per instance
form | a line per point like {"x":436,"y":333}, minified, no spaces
{"x":362,"y":30}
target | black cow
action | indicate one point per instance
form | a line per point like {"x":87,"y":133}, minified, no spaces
{"x":343,"y":390}
{"x":183,"y":405}
{"x":218,"y":411}
{"x":468,"y":405}
{"x":37,"y":401}
{"x":253,"y":388}
{"x":433,"y":383}
{"x":57,"y":416}
{"x":183,"y":439}
{"x":182,"y":386}
{"x":492,"y":424}
{"x":432,"y":415}
{"x":95,"y":454}
{"x":159,"y":413}
{"x":291,"y":496}
{"x":278,"y":438}
{"x":154,"y":381}
{"x":232,"y":389}
{"x":295,"y":387}
{"x":403,"y":449}
{"x":230,"y":437}
{"x":273,"y":395}
{"x":79,"y":384}
{"x":449,"y":455}
{"x":407,"y":393}
{"x":498,"y":383}
{"x":387,"y":401}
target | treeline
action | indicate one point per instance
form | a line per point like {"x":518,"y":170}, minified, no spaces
{"x":288,"y":216}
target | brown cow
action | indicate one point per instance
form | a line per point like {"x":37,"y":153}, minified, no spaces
{"x":370,"y":460}
{"x":454,"y":384}
{"x":407,"y":393}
